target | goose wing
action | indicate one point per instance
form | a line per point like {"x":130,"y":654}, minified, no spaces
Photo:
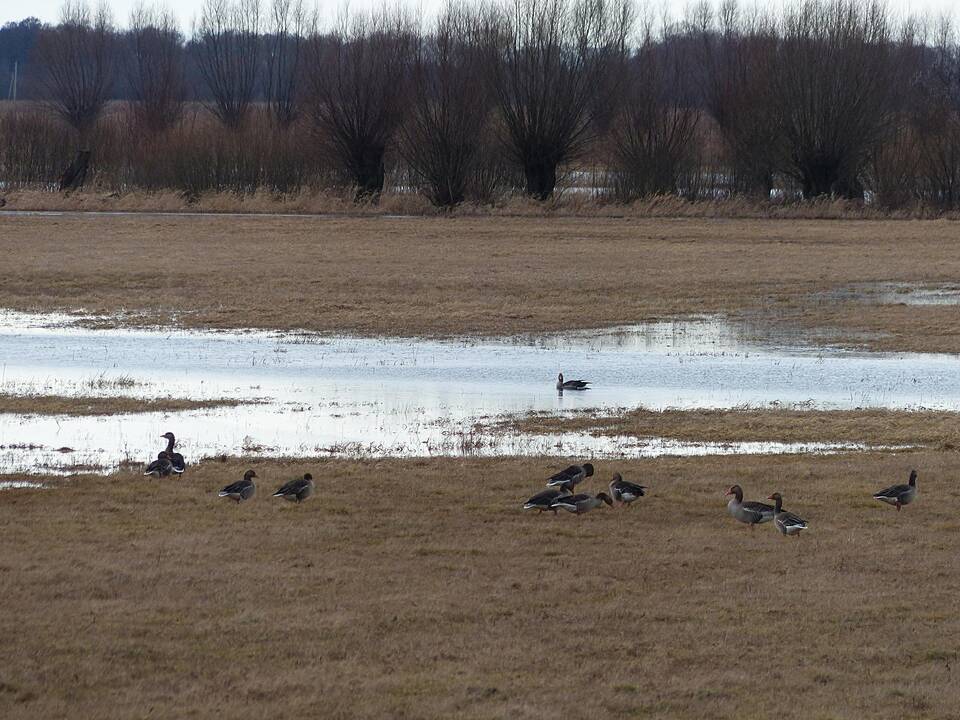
{"x":291,"y":488}
{"x":235,"y":488}
{"x":570,"y":500}
{"x":625,"y":486}
{"x":178,"y":463}
{"x":572,"y":473}
{"x":893,"y":492}
{"x":789,"y":520}
{"x":762,"y":511}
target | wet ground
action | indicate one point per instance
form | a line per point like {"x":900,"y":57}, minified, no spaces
{"x":394,"y":397}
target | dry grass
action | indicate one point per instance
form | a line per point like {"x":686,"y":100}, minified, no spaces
{"x":92,"y":405}
{"x":565,"y":204}
{"x":409,"y":590}
{"x":449,"y":276}
{"x":936,"y":429}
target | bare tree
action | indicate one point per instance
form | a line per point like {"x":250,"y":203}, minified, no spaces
{"x":832,"y":84}
{"x":935,"y":125}
{"x":156,"y":73}
{"x":358,"y":75}
{"x":655,"y":134}
{"x":77,"y":59}
{"x":442,"y":136}
{"x":285,"y":40}
{"x":227,"y":41}
{"x":547,"y":60}
{"x":734,"y":60}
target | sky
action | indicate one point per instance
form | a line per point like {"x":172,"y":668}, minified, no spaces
{"x":48,"y":10}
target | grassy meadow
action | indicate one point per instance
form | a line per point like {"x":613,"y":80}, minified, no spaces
{"x":419,"y":588}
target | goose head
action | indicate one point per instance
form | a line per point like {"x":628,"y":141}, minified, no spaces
{"x":617,"y":477}
{"x":606,"y":498}
{"x":913,"y":478}
{"x":307,"y":476}
{"x":560,"y":378}
{"x":588,"y":469}
{"x":778,"y":500}
{"x":249,"y":475}
{"x":737,"y":491}
{"x":168,"y":436}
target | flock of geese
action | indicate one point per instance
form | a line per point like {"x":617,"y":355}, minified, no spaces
{"x":559,"y":495}
{"x":170,"y":463}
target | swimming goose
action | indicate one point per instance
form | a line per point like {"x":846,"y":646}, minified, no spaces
{"x":750,"y":512}
{"x":625,"y":492}
{"x":786,"y":522}
{"x":176,"y":459}
{"x":899,"y":495}
{"x":242,"y":489}
{"x":161,"y":467}
{"x":571,"y":384}
{"x":297,"y":490}
{"x":543,"y":501}
{"x":581,"y":503}
{"x":571,"y":476}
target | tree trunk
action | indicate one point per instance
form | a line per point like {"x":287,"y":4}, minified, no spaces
{"x":369,"y":173}
{"x":541,"y":178}
{"x":75,"y":175}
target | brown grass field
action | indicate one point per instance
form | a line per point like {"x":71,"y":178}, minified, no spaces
{"x":420,"y":589}
{"x":934,"y":429}
{"x":470,"y":275}
{"x":94,"y":405}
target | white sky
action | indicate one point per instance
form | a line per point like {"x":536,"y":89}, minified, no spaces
{"x":48,"y":10}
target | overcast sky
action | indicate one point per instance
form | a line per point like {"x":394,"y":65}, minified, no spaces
{"x":48,"y":10}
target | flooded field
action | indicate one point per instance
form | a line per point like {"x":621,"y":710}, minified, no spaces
{"x":389,"y":397}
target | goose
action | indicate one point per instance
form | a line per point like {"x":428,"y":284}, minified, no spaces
{"x":786,"y":522}
{"x":571,"y":384}
{"x":625,"y":492}
{"x":297,"y":490}
{"x":571,"y":476}
{"x":242,"y":489}
{"x":581,"y":503}
{"x":176,"y":459}
{"x":161,"y":467}
{"x":750,"y":512}
{"x":899,"y":495}
{"x":543,"y":501}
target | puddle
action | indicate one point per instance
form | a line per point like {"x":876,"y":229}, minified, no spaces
{"x":394,"y":397}
{"x":897,"y":293}
{"x":19,"y":485}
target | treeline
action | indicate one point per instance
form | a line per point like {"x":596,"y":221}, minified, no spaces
{"x":822,"y":98}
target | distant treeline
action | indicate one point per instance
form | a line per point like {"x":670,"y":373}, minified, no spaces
{"x":819,"y":98}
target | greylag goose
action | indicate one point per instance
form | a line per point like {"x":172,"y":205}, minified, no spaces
{"x":543,"y":501}
{"x":176,"y":459}
{"x":161,"y":467}
{"x":625,"y":492}
{"x":786,"y":522}
{"x":571,"y":384}
{"x":581,"y":503}
{"x":750,"y":512}
{"x":571,"y":476}
{"x":242,"y":489}
{"x":297,"y":490}
{"x":899,"y":495}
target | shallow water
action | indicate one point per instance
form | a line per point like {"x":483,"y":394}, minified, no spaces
{"x":898,"y":293}
{"x":379,"y":397}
